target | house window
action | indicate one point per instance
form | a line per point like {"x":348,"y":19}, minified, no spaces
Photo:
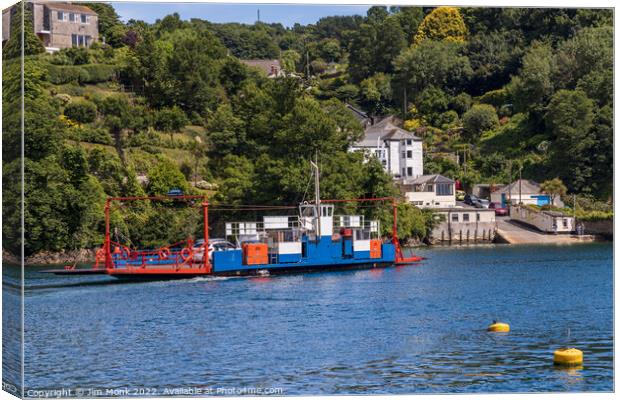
{"x":565,"y":223}
{"x":455,"y":218}
{"x":80,"y":40}
{"x":84,"y":18}
{"x":466,"y":217}
{"x":409,"y":171}
{"x":403,"y":172}
{"x":72,"y":17}
{"x":444,"y":189}
{"x":408,"y":142}
{"x":409,"y":154}
{"x":429,"y":188}
{"x":60,"y":15}
{"x":403,"y":154}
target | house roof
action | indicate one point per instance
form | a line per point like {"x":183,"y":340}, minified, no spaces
{"x":385,"y":130}
{"x":69,"y":7}
{"x":527,"y":186}
{"x":424,"y":179}
{"x":264,"y":65}
{"x":359,"y":114}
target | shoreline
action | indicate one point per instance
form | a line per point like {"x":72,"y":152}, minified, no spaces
{"x":51,"y":257}
{"x":88,"y":255}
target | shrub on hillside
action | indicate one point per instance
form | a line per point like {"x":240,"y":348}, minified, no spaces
{"x":96,"y":73}
{"x":170,"y":119}
{"x":90,"y":134}
{"x":82,"y":111}
{"x":480,"y":118}
{"x":60,"y":74}
{"x":77,"y":55}
{"x":89,"y":73}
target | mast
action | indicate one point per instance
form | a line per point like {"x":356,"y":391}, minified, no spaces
{"x":317,"y":193}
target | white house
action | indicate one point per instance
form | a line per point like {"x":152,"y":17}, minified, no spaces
{"x":525,"y":192}
{"x":463,"y":225}
{"x":428,"y":191}
{"x":399,"y":151}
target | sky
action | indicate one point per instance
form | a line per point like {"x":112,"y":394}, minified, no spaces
{"x":286,"y":14}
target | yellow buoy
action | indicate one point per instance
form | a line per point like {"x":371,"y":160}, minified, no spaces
{"x":498,"y":327}
{"x":568,"y":357}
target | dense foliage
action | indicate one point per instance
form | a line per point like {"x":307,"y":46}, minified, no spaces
{"x":170,"y":105}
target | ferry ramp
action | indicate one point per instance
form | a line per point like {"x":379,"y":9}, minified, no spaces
{"x":513,"y":232}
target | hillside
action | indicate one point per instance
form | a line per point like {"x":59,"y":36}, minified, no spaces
{"x":170,"y":105}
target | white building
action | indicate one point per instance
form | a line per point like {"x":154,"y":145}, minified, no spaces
{"x":429,"y":191}
{"x":463,"y":225}
{"x":399,"y":151}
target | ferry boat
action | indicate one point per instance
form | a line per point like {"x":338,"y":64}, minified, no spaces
{"x":315,"y":239}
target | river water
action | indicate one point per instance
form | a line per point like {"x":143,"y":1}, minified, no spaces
{"x":412,"y":329}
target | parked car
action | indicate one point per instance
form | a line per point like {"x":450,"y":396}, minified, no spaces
{"x":460,"y":195}
{"x":481,"y":203}
{"x":215,"y":244}
{"x":470,"y":199}
{"x":499,"y":210}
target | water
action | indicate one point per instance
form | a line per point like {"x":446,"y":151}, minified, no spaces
{"x":413,"y":329}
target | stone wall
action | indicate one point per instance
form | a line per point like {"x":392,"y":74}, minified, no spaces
{"x":463,"y":232}
{"x":603,"y":228}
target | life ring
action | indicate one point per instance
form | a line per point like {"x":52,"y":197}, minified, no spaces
{"x":187,"y":254}
{"x":164,"y":253}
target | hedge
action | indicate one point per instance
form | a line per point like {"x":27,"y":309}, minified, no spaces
{"x":82,"y":111}
{"x":88,"y":73}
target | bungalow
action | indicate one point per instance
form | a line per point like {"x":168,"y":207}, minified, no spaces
{"x":429,"y":191}
{"x":523,"y":191}
{"x":398,"y":150}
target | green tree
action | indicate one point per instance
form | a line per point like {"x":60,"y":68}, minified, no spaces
{"x":362,"y":52}
{"x":32,"y":44}
{"x":440,"y":64}
{"x":590,"y":50}
{"x":289,"y":60}
{"x":553,"y":187}
{"x":170,"y":120}
{"x":225,"y":133}
{"x":409,"y":18}
{"x":376,"y":92}
{"x":82,"y":111}
{"x":164,"y":176}
{"x":443,"y":23}
{"x":480,"y":118}
{"x":390,"y":41}
{"x":534,"y":84}
{"x":569,"y":120}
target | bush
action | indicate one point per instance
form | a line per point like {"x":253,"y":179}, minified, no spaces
{"x":63,"y":98}
{"x":170,"y":119}
{"x":77,"y":55}
{"x":96,"y":73}
{"x":480,"y":118}
{"x":83,"y":111}
{"x":58,"y":74}
{"x":95,"y":135}
{"x":90,"y":73}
